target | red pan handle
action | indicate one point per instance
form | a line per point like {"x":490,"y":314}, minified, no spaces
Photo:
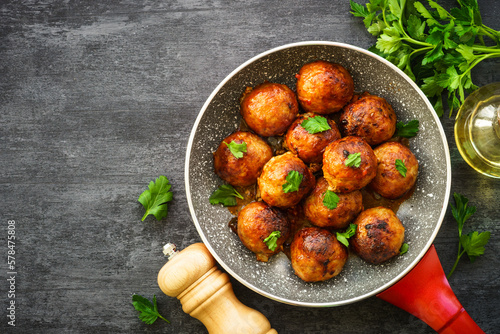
{"x":426,"y":293}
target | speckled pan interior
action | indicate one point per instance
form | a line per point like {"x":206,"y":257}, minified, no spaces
{"x":421,"y":215}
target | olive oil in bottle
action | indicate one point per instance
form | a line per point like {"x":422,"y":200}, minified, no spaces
{"x":477,"y":130}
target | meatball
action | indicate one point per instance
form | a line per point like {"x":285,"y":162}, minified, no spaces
{"x":342,"y":178}
{"x":256,"y":221}
{"x":310,"y":146}
{"x":324,"y":87}
{"x":274,"y":187}
{"x":316,"y":254}
{"x":348,"y":207}
{"x":379,"y":235}
{"x":389,"y":182}
{"x":242,"y":171}
{"x":269,"y":108}
{"x":370,"y":117}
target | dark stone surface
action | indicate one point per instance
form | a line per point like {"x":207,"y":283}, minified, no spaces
{"x":97,"y":98}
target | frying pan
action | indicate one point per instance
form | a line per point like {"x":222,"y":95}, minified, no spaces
{"x":422,"y":214}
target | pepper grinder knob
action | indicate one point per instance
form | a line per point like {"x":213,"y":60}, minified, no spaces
{"x":206,"y":293}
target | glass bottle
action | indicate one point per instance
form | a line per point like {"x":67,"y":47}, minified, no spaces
{"x":477,"y":130}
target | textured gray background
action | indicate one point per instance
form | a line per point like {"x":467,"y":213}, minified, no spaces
{"x":97,"y":98}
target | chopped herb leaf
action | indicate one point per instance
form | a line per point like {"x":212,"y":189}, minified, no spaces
{"x":330,"y":200}
{"x":404,"y":248}
{"x":271,"y":240}
{"x":343,"y":237}
{"x":353,"y":160}
{"x":400,"y":167}
{"x":237,"y":149}
{"x":315,"y":124}
{"x":407,"y":130}
{"x":225,"y":195}
{"x":293,"y":180}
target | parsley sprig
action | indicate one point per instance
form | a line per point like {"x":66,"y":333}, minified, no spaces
{"x":343,"y":237}
{"x":472,"y":243}
{"x":155,"y":198}
{"x":435,"y":47}
{"x":407,"y":130}
{"x":225,"y":194}
{"x":149,"y":310}
{"x":353,"y":160}
{"x":315,"y":124}
{"x":331,"y":200}
{"x":237,"y":149}
{"x":400,"y":167}
{"x":271,"y":240}
{"x":293,"y":180}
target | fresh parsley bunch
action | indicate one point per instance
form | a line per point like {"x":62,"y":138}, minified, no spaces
{"x":435,"y":47}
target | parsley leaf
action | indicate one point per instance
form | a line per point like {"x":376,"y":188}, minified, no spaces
{"x":416,"y":27}
{"x":389,"y":41}
{"x":425,"y":13}
{"x":466,"y":52}
{"x":443,"y":14}
{"x":237,"y":149}
{"x":315,"y":124}
{"x":407,"y":130}
{"x":353,"y":160}
{"x":404,"y":248}
{"x":433,"y":55}
{"x":342,"y":237}
{"x":472,"y":243}
{"x":359,"y":10}
{"x":156,"y":197}
{"x":293,"y":180}
{"x":271,"y":240}
{"x":462,"y":211}
{"x":330,"y":200}
{"x":225,"y":195}
{"x":149,"y":311}
{"x":400,"y":167}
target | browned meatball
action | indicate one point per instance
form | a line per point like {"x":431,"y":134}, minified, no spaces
{"x":242,"y":171}
{"x":310,"y":146}
{"x":370,"y":117}
{"x":269,"y":108}
{"x":379,"y":235}
{"x":348,"y":207}
{"x":342,"y":178}
{"x":274,"y":177}
{"x":317,"y":255}
{"x":324,"y":87}
{"x":256,"y":221}
{"x":389,"y":182}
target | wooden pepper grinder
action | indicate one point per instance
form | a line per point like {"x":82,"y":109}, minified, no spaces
{"x":207,"y":294}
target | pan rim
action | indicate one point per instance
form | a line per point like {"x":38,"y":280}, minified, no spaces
{"x":322,"y":304}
